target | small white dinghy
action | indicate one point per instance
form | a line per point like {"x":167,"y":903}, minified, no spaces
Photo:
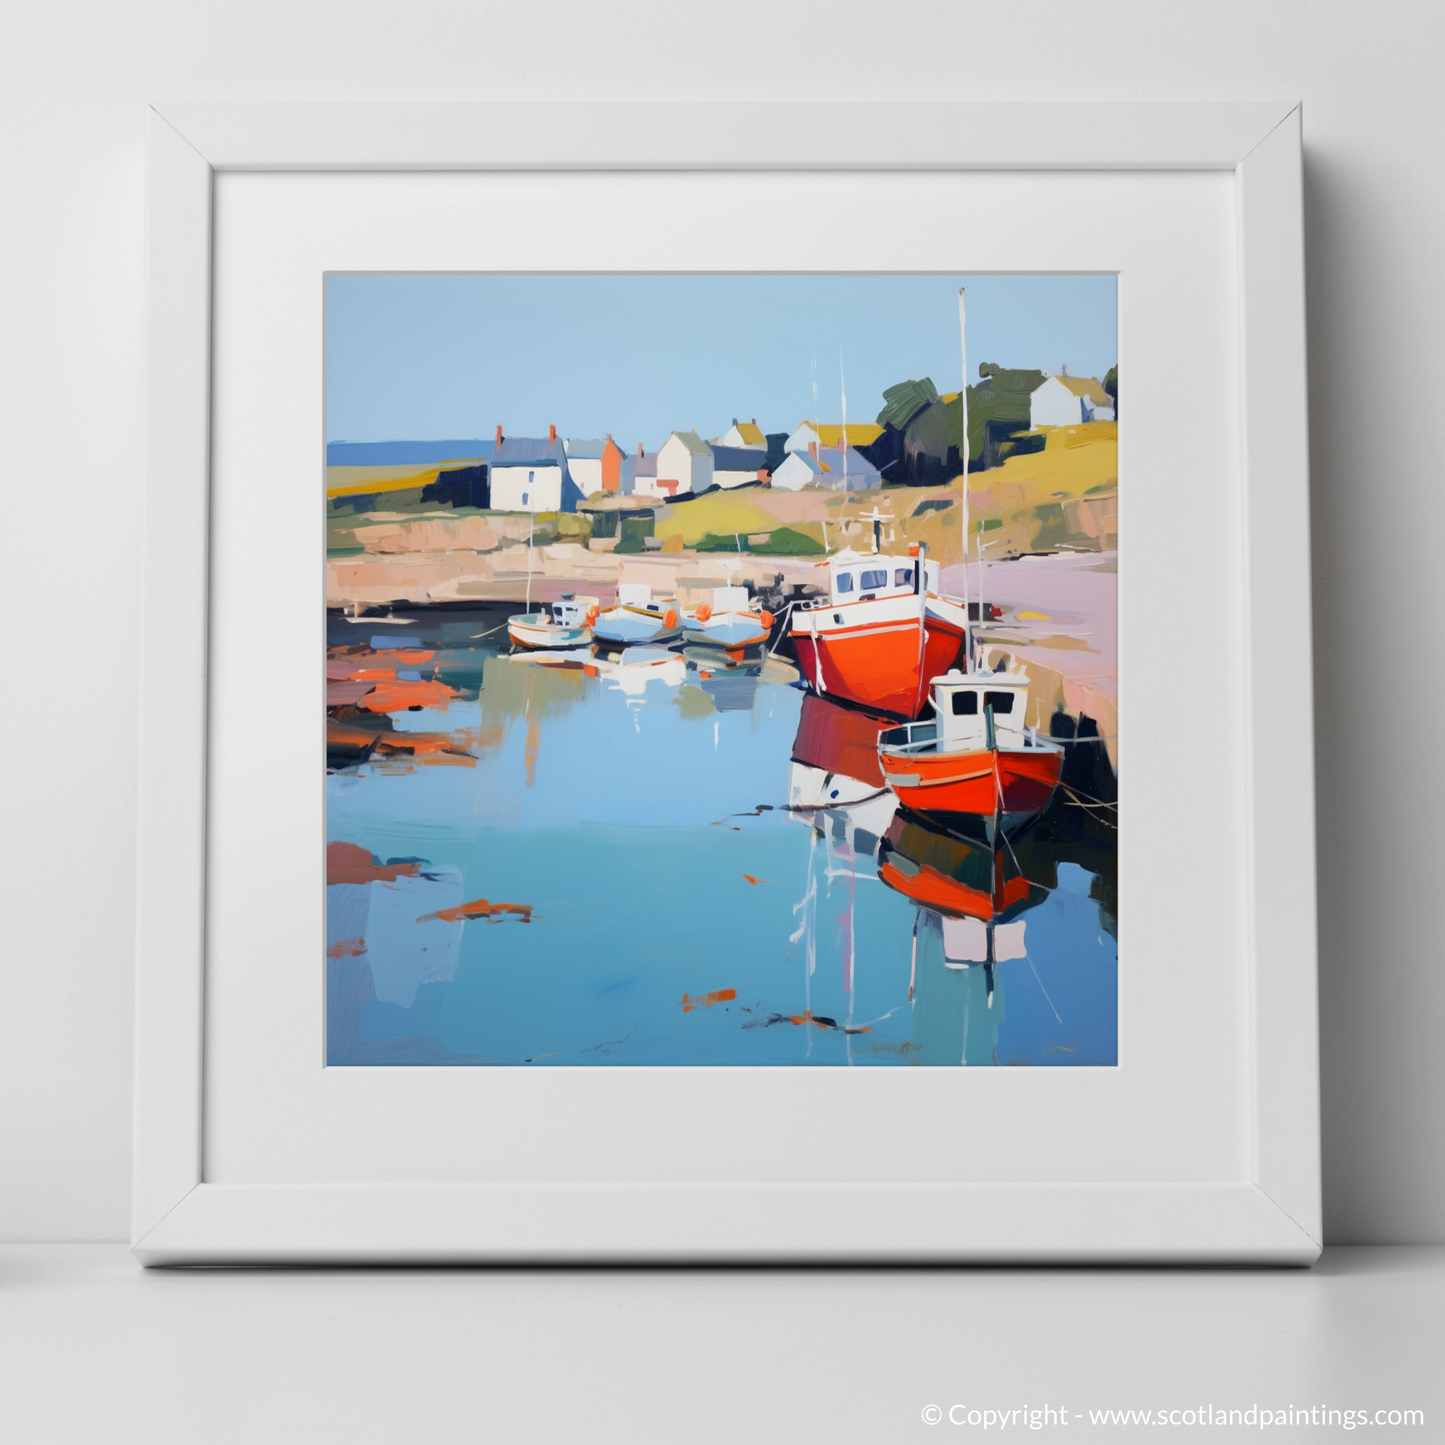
{"x":567,"y":623}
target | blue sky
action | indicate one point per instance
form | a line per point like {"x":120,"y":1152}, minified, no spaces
{"x":449,"y":356}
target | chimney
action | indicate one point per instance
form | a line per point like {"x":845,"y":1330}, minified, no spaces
{"x":813,"y":450}
{"x":551,"y":433}
{"x":639,"y":451}
{"x":755,"y":421}
{"x":499,"y":434}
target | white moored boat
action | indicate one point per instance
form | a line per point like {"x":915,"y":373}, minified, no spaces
{"x":638,"y":617}
{"x":729,"y":621}
{"x":567,"y":623}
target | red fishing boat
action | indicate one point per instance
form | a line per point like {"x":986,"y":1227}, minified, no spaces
{"x":975,"y":759}
{"x":881,"y":632}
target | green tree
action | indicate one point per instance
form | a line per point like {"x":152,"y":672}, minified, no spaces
{"x":998,"y":406}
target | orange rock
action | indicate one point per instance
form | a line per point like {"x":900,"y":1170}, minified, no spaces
{"x":707,"y":1000}
{"x":346,"y":863}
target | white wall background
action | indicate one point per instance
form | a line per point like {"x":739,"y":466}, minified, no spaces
{"x":77,"y":78}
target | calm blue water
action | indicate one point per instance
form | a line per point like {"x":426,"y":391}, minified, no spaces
{"x":681,"y":911}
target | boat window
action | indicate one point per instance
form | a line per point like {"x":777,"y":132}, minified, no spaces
{"x":965,"y":704}
{"x":903,"y":576}
{"x":845,"y":582}
{"x":873,"y":579}
{"x":999,"y":701}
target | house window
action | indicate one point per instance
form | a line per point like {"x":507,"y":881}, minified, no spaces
{"x":845,"y":582}
{"x":999,"y":701}
{"x":965,"y":704}
{"x":903,"y":577}
{"x":869,"y":580}
{"x":524,"y":499}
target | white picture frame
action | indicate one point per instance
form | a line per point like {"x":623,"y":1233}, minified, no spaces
{"x":1271,"y":1213}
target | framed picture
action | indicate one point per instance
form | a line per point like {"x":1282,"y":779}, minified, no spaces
{"x":685,"y":715}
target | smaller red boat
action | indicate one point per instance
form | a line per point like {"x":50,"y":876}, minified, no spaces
{"x":975,"y":758}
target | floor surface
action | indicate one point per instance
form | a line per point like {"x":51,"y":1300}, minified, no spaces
{"x":93,"y":1348}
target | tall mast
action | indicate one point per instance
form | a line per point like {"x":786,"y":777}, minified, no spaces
{"x":843,"y":392}
{"x":963,"y":452}
{"x":531,"y":517}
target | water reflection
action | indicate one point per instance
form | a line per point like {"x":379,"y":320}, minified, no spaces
{"x":677,"y":855}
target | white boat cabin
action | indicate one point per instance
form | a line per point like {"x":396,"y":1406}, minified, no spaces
{"x":729,"y":599}
{"x":637,"y":597}
{"x":964,"y":703}
{"x":633,"y":594}
{"x":855,"y":577}
{"x":572,"y":610}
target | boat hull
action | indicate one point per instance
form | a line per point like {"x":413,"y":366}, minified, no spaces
{"x":876,"y":661}
{"x":729,"y":631}
{"x":626,"y":627}
{"x":635,"y":636}
{"x":1011,"y":785}
{"x":528,"y":633}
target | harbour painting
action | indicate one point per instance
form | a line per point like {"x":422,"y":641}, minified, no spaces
{"x":721,"y":670}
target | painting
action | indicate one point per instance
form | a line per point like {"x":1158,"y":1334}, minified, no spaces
{"x":721,"y":670}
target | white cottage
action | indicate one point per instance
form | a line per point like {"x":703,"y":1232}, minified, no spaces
{"x":1069,"y":401}
{"x":798,"y":470}
{"x":584,"y":462}
{"x":744,"y":434}
{"x":529,"y":474}
{"x":830,"y":467}
{"x":738,"y":466}
{"x":639,"y":474}
{"x":684,"y":465}
{"x":832,"y":434}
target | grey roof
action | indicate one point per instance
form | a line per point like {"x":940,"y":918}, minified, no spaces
{"x":858,"y":464}
{"x":588,"y":450}
{"x":693,"y":443}
{"x":529,"y":451}
{"x":738,"y":459}
{"x":808,"y":461}
{"x":644,"y":465}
